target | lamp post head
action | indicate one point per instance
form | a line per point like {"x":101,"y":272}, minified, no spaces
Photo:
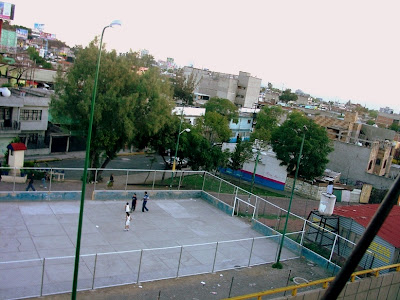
{"x":187,"y":129}
{"x":115,"y":22}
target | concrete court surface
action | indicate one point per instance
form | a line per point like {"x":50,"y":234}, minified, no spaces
{"x":32,"y":230}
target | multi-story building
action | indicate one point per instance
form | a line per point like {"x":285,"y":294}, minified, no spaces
{"x":242,"y":90}
{"x":386,"y":110}
{"x":362,"y":152}
{"x":24,"y":114}
{"x":244,"y":126}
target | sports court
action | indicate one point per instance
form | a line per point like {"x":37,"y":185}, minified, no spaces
{"x":177,"y":237}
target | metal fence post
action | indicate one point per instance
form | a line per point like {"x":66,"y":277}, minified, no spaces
{"x":140,"y":264}
{"x":94,"y":270}
{"x":251,"y":252}
{"x":215,"y":258}
{"x":179,"y":263}
{"x":303,"y":232}
{"x":154,"y":180}
{"x":204,"y":181}
{"x":126,"y":181}
{"x":333,"y":248}
{"x":219,"y":190}
{"x":41,"y":286}
{"x":51,"y":177}
{"x":180,"y":180}
{"x":15,"y":171}
{"x":95,"y":179}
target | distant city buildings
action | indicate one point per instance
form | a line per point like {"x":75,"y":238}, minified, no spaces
{"x":242,"y":89}
{"x":386,"y":110}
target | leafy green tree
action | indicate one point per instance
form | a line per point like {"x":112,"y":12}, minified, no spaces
{"x":373,"y":113}
{"x":34,"y":56}
{"x":266,"y":122}
{"x":201,"y":154}
{"x":287,"y":96}
{"x":224,"y":107}
{"x":129,"y":108}
{"x":243,"y":153}
{"x":395,"y":127}
{"x":184,"y":87}
{"x":286,"y":141}
{"x":216,"y":128}
{"x":370,"y":122}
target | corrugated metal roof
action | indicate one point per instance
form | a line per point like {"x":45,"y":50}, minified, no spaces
{"x":363,"y":214}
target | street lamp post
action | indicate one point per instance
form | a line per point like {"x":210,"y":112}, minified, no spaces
{"x":176,"y":152}
{"x":258,"y":145}
{"x":277,"y":264}
{"x":84,"y":178}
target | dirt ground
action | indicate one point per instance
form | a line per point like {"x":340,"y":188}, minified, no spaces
{"x":211,"y":286}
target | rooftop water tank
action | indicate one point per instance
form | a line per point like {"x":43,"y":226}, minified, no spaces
{"x":327,"y":204}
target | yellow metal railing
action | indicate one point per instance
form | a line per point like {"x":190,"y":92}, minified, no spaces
{"x":324,"y":282}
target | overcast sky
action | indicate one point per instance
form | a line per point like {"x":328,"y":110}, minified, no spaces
{"x":337,"y":50}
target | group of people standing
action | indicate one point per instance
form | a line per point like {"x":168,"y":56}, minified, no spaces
{"x":130,"y":209}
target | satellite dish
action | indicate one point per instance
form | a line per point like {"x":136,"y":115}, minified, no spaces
{"x":5,"y":92}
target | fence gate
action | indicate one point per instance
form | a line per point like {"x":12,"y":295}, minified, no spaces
{"x":243,"y":207}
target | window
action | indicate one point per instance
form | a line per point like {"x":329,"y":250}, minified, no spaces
{"x":30,"y":115}
{"x":248,"y":121}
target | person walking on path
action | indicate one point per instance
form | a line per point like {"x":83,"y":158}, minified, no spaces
{"x":111,"y":181}
{"x":30,"y":183}
{"x":128,"y":220}
{"x":145,"y":198}
{"x":127,"y":208}
{"x":134,"y":199}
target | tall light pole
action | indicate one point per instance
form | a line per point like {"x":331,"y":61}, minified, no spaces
{"x":258,"y":145}
{"x":89,"y":136}
{"x":177,"y":145}
{"x":176,"y":152}
{"x":277,"y":264}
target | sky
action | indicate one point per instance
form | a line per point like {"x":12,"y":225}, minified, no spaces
{"x":336,"y":50}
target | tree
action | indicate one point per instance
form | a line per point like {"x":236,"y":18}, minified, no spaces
{"x":224,"y":107}
{"x":129,"y":108}
{"x":201,"y":154}
{"x":216,"y":128}
{"x":370,"y":122}
{"x":184,"y":87}
{"x":243,"y":153}
{"x":34,"y":56}
{"x":266,"y":121}
{"x":287,"y":96}
{"x":395,"y":127}
{"x":286,"y":141}
{"x":373,"y":113}
{"x":270,"y":86}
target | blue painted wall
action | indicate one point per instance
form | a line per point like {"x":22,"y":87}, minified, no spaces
{"x":258,"y":179}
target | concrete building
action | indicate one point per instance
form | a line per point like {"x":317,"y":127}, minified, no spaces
{"x":190,"y":114}
{"x":385,"y":119}
{"x":242,"y":90}
{"x":25,"y":115}
{"x":244,"y":127}
{"x":362,"y":153}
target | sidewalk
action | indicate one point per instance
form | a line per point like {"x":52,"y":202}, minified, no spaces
{"x":69,"y":155}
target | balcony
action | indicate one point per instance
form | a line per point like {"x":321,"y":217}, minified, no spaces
{"x":10,"y":127}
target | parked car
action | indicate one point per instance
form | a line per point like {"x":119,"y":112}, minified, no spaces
{"x":179,"y":163}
